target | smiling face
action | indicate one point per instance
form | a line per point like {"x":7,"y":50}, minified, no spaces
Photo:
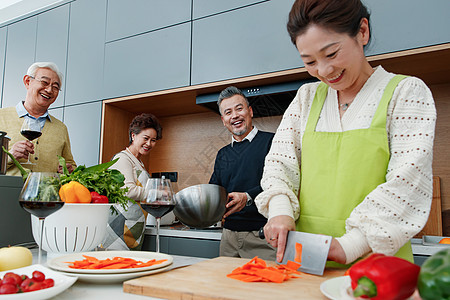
{"x":42,"y":90}
{"x":237,"y":116}
{"x":337,"y":59}
{"x":143,"y":142}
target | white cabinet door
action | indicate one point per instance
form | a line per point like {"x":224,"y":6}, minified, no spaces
{"x":83,"y":122}
{"x":243,"y":42}
{"x":148,"y":62}
{"x":133,"y":17}
{"x":204,"y":8}
{"x":51,"y":42}
{"x":20,"y":51}
{"x":407,"y":24}
{"x":85,"y":51}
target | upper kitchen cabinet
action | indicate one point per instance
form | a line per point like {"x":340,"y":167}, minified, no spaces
{"x":20,"y":54}
{"x":2,"y":59}
{"x":243,"y":42}
{"x":132,"y":17}
{"x":204,"y":8}
{"x":84,"y":74}
{"x":83,"y":123}
{"x":407,"y":24}
{"x":148,"y":62}
{"x":51,"y":43}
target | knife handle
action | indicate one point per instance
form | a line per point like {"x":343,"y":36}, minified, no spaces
{"x":261,"y":233}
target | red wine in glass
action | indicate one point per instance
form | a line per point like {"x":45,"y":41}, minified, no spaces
{"x":158,"y":209}
{"x":40,"y":197}
{"x":41,"y":209}
{"x":30,"y":134}
{"x":159,"y":201}
{"x":31,"y":130}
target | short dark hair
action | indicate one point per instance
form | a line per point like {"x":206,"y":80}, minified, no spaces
{"x":342,"y":16}
{"x":144,"y":121}
{"x":228,"y":93}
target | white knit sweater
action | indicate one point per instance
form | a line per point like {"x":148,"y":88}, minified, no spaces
{"x":396,"y":210}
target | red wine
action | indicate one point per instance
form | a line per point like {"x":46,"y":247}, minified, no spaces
{"x":157,"y":209}
{"x":41,"y":209}
{"x":30,"y":134}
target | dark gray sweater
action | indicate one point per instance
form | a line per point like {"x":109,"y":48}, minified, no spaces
{"x":239,"y":168}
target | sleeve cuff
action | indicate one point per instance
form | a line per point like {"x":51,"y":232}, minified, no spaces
{"x":354,"y":244}
{"x":280,"y":205}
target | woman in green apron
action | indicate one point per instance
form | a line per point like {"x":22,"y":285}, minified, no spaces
{"x":352,"y":155}
{"x":126,"y":229}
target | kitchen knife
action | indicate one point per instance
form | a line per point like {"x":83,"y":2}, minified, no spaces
{"x":315,"y":249}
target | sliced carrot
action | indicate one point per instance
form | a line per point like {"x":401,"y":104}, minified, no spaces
{"x":298,"y":252}
{"x":93,"y":263}
{"x":293,"y":265}
{"x":256,"y":270}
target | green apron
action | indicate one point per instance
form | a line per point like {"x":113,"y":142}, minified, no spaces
{"x":339,"y":169}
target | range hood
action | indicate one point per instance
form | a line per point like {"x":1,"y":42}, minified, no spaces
{"x":267,"y":100}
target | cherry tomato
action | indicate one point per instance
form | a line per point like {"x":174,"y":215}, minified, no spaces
{"x":25,"y":284}
{"x":38,"y":276}
{"x":35,"y":286}
{"x":8,"y":280}
{"x":48,"y":282}
{"x":17,"y":278}
{"x":8,"y":289}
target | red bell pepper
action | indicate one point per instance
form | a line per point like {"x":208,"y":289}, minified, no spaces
{"x":384,"y":277}
{"x":97,"y":198}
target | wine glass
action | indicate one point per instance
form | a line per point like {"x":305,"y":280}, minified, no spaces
{"x":40,"y":197}
{"x":159,"y":201}
{"x":31,"y":130}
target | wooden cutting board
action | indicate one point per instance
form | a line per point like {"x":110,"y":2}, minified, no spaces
{"x":207,"y":280}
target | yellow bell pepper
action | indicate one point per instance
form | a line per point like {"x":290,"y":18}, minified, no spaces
{"x":74,"y":192}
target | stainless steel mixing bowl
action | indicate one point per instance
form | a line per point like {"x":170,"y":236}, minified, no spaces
{"x":200,"y":206}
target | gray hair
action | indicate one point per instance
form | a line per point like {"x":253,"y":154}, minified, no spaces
{"x":228,"y":93}
{"x":46,"y":64}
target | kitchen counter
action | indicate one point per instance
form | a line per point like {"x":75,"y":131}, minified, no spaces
{"x":94,"y":291}
{"x":178,"y":239}
{"x":182,"y":231}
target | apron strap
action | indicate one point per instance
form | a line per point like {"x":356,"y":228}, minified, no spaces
{"x":379,"y":119}
{"x":316,"y":107}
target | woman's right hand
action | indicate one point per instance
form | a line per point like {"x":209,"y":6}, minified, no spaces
{"x":276,"y":231}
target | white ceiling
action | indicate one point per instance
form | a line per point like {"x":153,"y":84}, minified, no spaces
{"x":11,"y":10}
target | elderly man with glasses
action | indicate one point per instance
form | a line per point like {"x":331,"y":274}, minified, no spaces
{"x":43,"y":84}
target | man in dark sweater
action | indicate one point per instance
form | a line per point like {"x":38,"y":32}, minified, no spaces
{"x":238,"y":168}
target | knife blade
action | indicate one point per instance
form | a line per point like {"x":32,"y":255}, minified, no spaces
{"x":315,"y":249}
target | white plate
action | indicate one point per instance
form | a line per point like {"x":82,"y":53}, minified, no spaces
{"x":111,"y":278}
{"x":337,"y":288}
{"x":62,"y":263}
{"x":62,"y":283}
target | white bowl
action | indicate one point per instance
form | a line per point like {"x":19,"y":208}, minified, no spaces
{"x":74,"y":228}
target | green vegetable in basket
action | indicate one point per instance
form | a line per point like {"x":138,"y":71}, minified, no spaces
{"x":434,"y":277}
{"x":100,"y":179}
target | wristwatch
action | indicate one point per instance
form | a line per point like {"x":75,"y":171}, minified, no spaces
{"x":249,"y":200}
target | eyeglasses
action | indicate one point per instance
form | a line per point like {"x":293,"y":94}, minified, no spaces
{"x":45,"y":83}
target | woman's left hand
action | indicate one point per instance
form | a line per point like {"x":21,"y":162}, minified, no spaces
{"x":336,"y":252}
{"x":276,"y":231}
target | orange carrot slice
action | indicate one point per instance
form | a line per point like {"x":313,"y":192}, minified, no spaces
{"x":256,"y":270}
{"x":298,"y":252}
{"x":93,"y":263}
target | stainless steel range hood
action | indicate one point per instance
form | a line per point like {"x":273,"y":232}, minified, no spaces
{"x":267,"y":100}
